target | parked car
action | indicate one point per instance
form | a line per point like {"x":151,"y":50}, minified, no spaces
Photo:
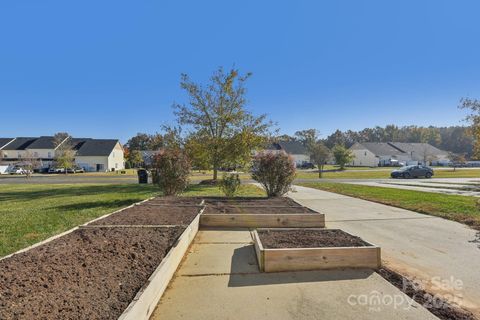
{"x":19,"y":170}
{"x":75,"y":170}
{"x":56,"y":170}
{"x":412,"y":172}
{"x":306,"y":165}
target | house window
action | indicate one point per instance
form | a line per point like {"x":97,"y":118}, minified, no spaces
{"x":19,"y":155}
{"x":116,"y":165}
{"x":365,"y":153}
{"x":49,"y":154}
{"x":5,"y":155}
{"x":35,"y":154}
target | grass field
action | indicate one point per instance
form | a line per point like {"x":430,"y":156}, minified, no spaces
{"x":458,"y":208}
{"x":32,"y":213}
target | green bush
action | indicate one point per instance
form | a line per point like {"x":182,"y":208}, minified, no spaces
{"x":172,"y":169}
{"x":275,"y":171}
{"x":230,"y":184}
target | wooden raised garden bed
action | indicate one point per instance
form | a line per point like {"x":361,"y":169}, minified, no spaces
{"x":259,"y":213}
{"x":312,"y":249}
{"x":115,"y":266}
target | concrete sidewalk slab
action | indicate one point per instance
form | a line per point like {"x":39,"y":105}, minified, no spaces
{"x":205,"y":259}
{"x":224,"y":236}
{"x":222,"y":281}
{"x":427,"y":248}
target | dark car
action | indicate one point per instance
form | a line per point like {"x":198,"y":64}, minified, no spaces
{"x":412,"y":172}
{"x":306,"y":165}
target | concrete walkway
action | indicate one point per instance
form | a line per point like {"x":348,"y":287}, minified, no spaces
{"x":219,"y":279}
{"x":430,"y":248}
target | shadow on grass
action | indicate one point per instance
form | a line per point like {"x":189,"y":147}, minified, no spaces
{"x":38,"y":192}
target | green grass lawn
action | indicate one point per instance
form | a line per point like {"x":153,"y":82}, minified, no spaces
{"x":458,"y":208}
{"x":32,"y":213}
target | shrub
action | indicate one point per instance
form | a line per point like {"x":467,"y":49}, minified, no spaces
{"x":230,"y":184}
{"x":172,"y":169}
{"x":275,"y":171}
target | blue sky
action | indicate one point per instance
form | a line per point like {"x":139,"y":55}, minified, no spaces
{"x":111,"y":68}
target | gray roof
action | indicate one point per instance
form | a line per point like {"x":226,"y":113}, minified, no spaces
{"x":291,"y":147}
{"x":20,"y":143}
{"x":44,"y":142}
{"x":419,"y":148}
{"x":97,"y":147}
{"x":381,"y":148}
{"x":77,"y":143}
{"x":4,"y":141}
{"x":398,"y":148}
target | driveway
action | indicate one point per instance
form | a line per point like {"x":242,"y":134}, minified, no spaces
{"x":427,"y":248}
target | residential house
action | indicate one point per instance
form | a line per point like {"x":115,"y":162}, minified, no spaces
{"x":293,"y":148}
{"x":91,"y":154}
{"x":373,"y":154}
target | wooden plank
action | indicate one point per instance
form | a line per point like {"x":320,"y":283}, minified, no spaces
{"x":263,"y":220}
{"x":320,"y":258}
{"x":258,"y":250}
{"x":145,"y":301}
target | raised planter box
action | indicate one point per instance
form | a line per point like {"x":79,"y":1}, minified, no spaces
{"x":288,"y":255}
{"x":147,"y":298}
{"x":266,"y":220}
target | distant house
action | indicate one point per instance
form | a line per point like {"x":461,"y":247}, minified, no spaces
{"x":294,"y":148}
{"x":373,"y":154}
{"x":91,"y":154}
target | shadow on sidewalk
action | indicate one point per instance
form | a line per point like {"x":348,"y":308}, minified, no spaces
{"x":242,"y":256}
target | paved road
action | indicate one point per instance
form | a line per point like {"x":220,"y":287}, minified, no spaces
{"x":219,"y":279}
{"x":455,"y":186}
{"x":414,"y":244}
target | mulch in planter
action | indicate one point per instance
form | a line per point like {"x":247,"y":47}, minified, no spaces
{"x":182,"y":201}
{"x":151,"y":215}
{"x":239,"y":209}
{"x":88,"y":274}
{"x":308,"y":238}
{"x":278,"y":202}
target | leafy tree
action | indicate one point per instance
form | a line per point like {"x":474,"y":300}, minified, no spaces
{"x":456,"y":159}
{"x":225,"y":131}
{"x":64,"y":153}
{"x":308,"y":138}
{"x":144,"y":141}
{"x":274,"y":171}
{"x":342,"y":155}
{"x":319,"y":155}
{"x":473,"y":105}
{"x":134,"y":157}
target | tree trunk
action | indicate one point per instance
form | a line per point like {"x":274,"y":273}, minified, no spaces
{"x":320,"y":169}
{"x":215,"y":173}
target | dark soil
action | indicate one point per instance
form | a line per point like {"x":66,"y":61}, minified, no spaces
{"x":308,"y":238}
{"x":175,"y":201}
{"x":151,"y":215}
{"x":440,"y":308}
{"x":256,"y":210}
{"x":87,"y":274}
{"x":256,"y":202}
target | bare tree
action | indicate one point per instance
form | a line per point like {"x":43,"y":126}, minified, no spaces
{"x":29,"y":163}
{"x":456,"y":159}
{"x":427,"y":155}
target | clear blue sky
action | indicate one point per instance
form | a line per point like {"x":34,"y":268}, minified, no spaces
{"x":111,"y":68}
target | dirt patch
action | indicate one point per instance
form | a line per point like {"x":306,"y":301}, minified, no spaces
{"x":280,"y":201}
{"x":433,"y":303}
{"x":151,"y":215}
{"x":256,"y":210}
{"x":87,"y":274}
{"x":308,"y":238}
